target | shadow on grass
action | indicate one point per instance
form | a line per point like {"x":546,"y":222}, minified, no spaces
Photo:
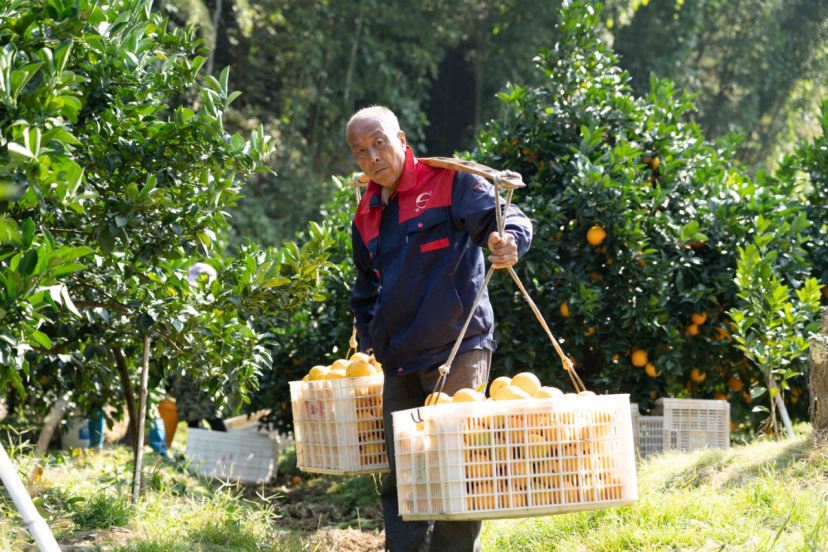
{"x":799,"y":456}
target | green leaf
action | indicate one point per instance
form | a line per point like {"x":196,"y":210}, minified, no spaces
{"x":19,"y":153}
{"x":43,"y":339}
{"x":223,"y":79}
{"x":145,"y":322}
{"x":64,"y":293}
{"x":61,"y":135}
{"x":132,"y":191}
{"x":63,"y":270}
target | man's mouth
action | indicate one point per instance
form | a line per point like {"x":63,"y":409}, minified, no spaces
{"x":380,"y":171}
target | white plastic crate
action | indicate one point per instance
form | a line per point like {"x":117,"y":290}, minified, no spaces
{"x":338,"y":425}
{"x":515,"y":459}
{"x":694,"y":424}
{"x":242,"y":456}
{"x":634,"y":420}
{"x":651,"y":434}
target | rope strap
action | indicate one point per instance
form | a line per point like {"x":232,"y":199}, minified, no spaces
{"x":510,"y":181}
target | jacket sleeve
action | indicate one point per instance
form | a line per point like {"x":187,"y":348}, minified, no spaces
{"x":473,"y":207}
{"x":365,"y":290}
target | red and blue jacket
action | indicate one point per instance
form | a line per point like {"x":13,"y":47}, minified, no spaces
{"x":420,"y":265}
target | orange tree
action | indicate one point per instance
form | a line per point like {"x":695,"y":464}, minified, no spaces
{"x":805,"y":172}
{"x":637,"y":223}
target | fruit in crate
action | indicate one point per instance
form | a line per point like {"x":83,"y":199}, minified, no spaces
{"x":475,"y":433}
{"x":537,"y":447}
{"x":360,"y":356}
{"x":335,"y":374}
{"x":467,"y":395}
{"x":318,"y":373}
{"x":499,"y":384}
{"x":359,"y":368}
{"x":548,"y":393}
{"x":439,"y":399}
{"x":512,"y":393}
{"x":373,"y":361}
{"x":340,"y":364}
{"x":527,"y":382}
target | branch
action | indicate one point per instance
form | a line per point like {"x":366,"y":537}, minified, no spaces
{"x":99,"y":290}
{"x":97,"y":304}
{"x":171,"y":342}
{"x":69,"y":231}
{"x":54,"y":351}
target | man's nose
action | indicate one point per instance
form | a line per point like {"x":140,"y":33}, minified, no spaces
{"x":374,"y":154}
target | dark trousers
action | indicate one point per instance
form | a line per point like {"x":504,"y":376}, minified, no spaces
{"x":469,"y":370}
{"x":216,"y":424}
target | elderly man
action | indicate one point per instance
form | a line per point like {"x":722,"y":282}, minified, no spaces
{"x":418,"y":238}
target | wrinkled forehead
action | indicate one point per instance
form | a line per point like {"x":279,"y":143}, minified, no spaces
{"x":366,"y":128}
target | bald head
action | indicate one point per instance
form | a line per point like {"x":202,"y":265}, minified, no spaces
{"x":378,"y":145}
{"x":375,"y":113}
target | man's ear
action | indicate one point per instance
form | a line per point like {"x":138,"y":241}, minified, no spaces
{"x":401,"y":136}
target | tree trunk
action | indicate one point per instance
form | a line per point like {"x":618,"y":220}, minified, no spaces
{"x":142,"y":415}
{"x":211,"y":56}
{"x":128,"y":393}
{"x":352,"y":61}
{"x":479,"y":71}
{"x":818,"y":384}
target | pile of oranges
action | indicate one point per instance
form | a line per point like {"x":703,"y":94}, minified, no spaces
{"x":368,"y":402}
{"x":534,"y":456}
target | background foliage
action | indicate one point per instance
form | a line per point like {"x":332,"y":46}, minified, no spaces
{"x":676,"y":208}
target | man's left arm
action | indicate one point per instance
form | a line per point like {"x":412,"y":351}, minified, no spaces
{"x":473,"y":207}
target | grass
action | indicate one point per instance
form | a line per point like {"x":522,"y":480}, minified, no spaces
{"x":760,"y":496}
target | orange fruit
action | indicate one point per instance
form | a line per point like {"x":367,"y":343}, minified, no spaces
{"x":654,"y":395}
{"x":590,"y":332}
{"x":693,"y":329}
{"x":721,"y":333}
{"x":596,"y":235}
{"x":719,"y":396}
{"x":615,"y":357}
{"x":639,"y":358}
{"x":735,"y":384}
{"x":527,"y":382}
{"x":597,"y":277}
{"x":748,"y":398}
{"x":650,"y":369}
{"x":655,"y":162}
{"x":296,"y":480}
{"x":697,"y":375}
{"x":565,"y":311}
{"x":825,"y":291}
{"x":699,"y":319}
{"x":499,"y":384}
{"x":439,"y":399}
{"x":467,"y":395}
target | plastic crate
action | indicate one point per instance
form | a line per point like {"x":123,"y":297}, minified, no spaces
{"x":338,"y":427}
{"x":634,"y":415}
{"x":241,"y":456}
{"x":515,"y":459}
{"x":651,"y":435}
{"x":694,"y":424}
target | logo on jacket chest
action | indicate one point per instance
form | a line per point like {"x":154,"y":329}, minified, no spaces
{"x":422,"y":201}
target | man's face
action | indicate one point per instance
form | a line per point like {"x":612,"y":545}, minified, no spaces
{"x":379,"y":153}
